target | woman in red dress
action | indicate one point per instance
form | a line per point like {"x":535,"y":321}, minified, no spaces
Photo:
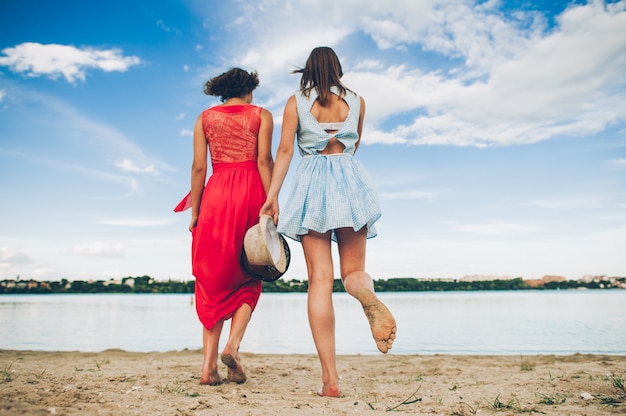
{"x":239,"y":138}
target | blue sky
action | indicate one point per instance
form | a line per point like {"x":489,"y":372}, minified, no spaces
{"x":495,"y":131}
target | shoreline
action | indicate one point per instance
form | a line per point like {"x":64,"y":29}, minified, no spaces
{"x":167,"y":383}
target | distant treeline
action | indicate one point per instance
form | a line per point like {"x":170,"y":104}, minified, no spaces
{"x":410,"y":284}
{"x":146,"y":284}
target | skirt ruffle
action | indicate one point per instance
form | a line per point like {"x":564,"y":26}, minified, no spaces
{"x":330,"y":192}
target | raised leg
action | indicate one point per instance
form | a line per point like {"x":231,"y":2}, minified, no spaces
{"x":359,"y":284}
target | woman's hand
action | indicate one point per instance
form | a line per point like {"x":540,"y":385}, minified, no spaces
{"x":270,"y":208}
{"x":193,"y":223}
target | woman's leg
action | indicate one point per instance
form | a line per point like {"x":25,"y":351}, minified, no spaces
{"x":210,"y":345}
{"x":359,"y":284}
{"x":230,"y":355}
{"x":319,"y":262}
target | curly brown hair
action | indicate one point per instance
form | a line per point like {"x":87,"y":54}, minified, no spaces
{"x":235,"y":82}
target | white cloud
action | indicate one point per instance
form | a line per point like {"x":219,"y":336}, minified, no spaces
{"x":506,"y":78}
{"x":186,"y":133}
{"x":565,"y":82}
{"x":495,"y":228}
{"x":9,"y":257}
{"x":136,"y":222}
{"x":85,"y":134}
{"x":568,"y":203}
{"x":53,"y":60}
{"x":618,"y":163}
{"x":101,"y":175}
{"x":127,"y":165}
{"x":100,"y":249}
{"x":369,"y":64}
{"x":2,"y":95}
{"x":409,"y":195}
{"x":388,"y":33}
{"x":162,"y":25}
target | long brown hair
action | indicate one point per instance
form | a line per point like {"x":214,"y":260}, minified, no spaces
{"x":321,"y":71}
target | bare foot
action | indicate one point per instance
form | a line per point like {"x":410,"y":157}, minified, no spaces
{"x":382,"y":322}
{"x":212,"y":380}
{"x":235,"y":370}
{"x":327,"y":391}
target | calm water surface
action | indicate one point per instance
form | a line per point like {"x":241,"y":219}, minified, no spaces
{"x":521,"y":322}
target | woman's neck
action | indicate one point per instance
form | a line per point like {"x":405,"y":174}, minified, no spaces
{"x":246,"y":99}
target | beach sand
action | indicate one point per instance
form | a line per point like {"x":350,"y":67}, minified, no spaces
{"x":115,"y":382}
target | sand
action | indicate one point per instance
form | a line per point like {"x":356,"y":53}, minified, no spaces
{"x":115,"y":382}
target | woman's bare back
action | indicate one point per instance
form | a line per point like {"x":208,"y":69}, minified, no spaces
{"x":335,"y":111}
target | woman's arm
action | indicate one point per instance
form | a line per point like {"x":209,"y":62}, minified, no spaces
{"x":265,"y":162}
{"x":359,"y":128}
{"x":284,"y":154}
{"x":198,"y":170}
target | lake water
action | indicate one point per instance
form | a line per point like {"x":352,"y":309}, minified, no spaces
{"x":520,"y":322}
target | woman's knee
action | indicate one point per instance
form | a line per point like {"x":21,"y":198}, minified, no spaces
{"x":350,"y":262}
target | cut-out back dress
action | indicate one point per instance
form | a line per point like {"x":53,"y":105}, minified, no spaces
{"x":328,"y":191}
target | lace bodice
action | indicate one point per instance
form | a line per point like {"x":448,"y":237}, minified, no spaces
{"x":231,"y":132}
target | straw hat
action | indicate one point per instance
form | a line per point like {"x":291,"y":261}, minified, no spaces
{"x":265,"y":252}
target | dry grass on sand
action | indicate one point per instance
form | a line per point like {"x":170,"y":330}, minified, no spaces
{"x":116,"y":382}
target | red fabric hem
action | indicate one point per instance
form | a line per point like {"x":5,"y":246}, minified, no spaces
{"x":232,"y":108}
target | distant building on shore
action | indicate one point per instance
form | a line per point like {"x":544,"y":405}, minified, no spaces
{"x":545,"y":279}
{"x":483,"y":277}
{"x":550,"y":278}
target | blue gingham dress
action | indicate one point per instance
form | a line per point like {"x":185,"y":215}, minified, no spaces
{"x":328,"y":191}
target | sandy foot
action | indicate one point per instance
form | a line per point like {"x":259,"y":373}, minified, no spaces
{"x":329,"y":392}
{"x":235,"y":370}
{"x":213,"y":381}
{"x":382,"y":322}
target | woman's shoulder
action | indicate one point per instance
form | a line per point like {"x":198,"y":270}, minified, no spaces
{"x":265,"y":113}
{"x":235,"y":108}
{"x":352,"y":95}
{"x":292,"y":102}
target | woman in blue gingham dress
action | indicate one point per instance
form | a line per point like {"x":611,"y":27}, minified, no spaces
{"x":332,"y":199}
{"x":329,"y":191}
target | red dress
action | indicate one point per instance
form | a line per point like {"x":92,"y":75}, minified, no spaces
{"x":231,"y":202}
